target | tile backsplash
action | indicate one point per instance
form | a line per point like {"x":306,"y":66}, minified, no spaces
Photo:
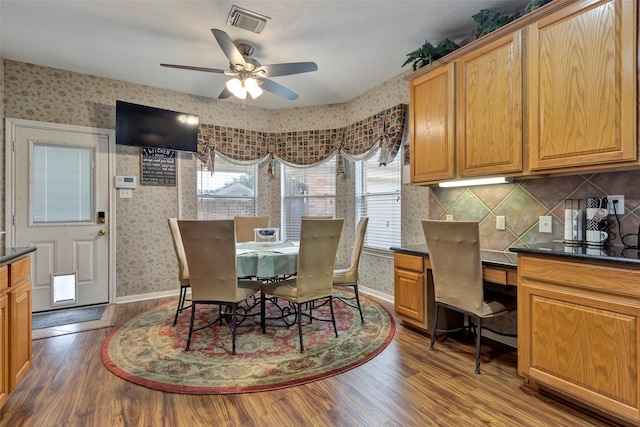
{"x":523,"y":202}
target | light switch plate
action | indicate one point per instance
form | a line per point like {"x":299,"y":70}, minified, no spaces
{"x":500,"y":222}
{"x":449,"y":217}
{"x":125,"y":193}
{"x":544,"y":224}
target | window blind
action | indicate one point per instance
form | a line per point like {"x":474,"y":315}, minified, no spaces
{"x":230,"y":191}
{"x":307,"y":192}
{"x":378,"y":197}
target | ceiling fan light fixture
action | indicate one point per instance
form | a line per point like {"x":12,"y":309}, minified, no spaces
{"x":236,"y":87}
{"x":252,"y":86}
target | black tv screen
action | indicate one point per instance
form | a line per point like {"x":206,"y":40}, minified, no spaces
{"x":144,"y":126}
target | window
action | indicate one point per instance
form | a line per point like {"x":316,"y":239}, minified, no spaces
{"x":378,"y":197}
{"x":307,"y":191}
{"x":229,"y":192}
{"x":61,"y":184}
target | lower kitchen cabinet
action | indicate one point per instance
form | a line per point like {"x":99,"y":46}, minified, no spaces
{"x":414,"y":295}
{"x":579,"y":331}
{"x":15,"y":323}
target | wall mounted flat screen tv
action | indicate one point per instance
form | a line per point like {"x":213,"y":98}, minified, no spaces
{"x":143,"y":126}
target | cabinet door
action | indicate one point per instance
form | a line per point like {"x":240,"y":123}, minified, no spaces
{"x":489,"y":109}
{"x":582,"y":81}
{"x":432,"y":126}
{"x":410,"y":297}
{"x":4,"y":349}
{"x":578,"y":332}
{"x":20,"y":332}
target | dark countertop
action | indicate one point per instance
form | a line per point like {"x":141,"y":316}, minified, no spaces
{"x":615,"y":253}
{"x":9,"y":254}
{"x":495,"y":258}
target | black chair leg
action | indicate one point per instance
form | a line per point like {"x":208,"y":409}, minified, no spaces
{"x":262,"y":314}
{"x":333,"y":317}
{"x":355,"y":289}
{"x":183,"y":295}
{"x":232,"y":324}
{"x":193,"y":315}
{"x":478,"y":339}
{"x":435,"y":324}
{"x":299,"y":307}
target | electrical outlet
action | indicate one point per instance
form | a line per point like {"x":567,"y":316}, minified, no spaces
{"x":500,"y":222}
{"x":619,"y":206}
{"x":449,"y":217}
{"x":544,"y":224}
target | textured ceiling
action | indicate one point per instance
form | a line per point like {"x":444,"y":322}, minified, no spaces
{"x":356,"y":44}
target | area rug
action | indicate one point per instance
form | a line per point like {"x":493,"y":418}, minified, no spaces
{"x":149,"y":351}
{"x":66,"y":317}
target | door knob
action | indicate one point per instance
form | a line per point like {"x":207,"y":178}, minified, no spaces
{"x":102,"y":232}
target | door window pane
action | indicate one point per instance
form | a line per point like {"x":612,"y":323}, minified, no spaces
{"x":61,"y":184}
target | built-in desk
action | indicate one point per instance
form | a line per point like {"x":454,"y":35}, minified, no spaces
{"x":413,"y":284}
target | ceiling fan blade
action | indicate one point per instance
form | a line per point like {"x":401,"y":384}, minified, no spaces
{"x":273,"y":87}
{"x":189,"y":67}
{"x":225,"y":93}
{"x":275,"y":70}
{"x":229,"y":49}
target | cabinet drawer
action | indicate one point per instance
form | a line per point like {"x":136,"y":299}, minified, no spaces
{"x":409,"y":262}
{"x":20,"y":270}
{"x":4,"y":277}
{"x":501,"y":276}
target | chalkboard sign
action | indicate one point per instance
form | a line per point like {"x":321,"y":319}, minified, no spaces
{"x":158,"y":166}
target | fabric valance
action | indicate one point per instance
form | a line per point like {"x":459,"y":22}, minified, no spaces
{"x":308,"y":147}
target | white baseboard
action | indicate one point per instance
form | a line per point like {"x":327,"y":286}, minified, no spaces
{"x":368,"y":291}
{"x":144,"y":297}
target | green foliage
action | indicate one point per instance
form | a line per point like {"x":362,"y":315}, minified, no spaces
{"x":534,"y":4}
{"x":427,"y":53}
{"x":487,"y":23}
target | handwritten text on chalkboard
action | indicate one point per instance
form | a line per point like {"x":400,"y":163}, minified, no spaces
{"x":158,"y":166}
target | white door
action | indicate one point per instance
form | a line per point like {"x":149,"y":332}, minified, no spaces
{"x":60,"y":199}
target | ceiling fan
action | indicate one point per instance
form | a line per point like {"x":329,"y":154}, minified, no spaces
{"x":249,"y":76}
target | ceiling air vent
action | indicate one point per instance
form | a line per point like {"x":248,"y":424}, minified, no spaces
{"x":245,"y":19}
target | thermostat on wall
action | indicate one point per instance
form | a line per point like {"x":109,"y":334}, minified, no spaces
{"x":125,"y":182}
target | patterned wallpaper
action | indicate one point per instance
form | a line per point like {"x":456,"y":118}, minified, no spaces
{"x":2,"y":145}
{"x":145,"y":259}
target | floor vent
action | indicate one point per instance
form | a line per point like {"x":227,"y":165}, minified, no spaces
{"x":247,"y":20}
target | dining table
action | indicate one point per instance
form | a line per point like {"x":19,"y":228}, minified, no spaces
{"x":267,"y":260}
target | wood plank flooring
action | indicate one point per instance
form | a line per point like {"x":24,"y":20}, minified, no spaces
{"x":406,"y":385}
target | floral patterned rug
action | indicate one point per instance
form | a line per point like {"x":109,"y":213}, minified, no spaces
{"x":149,"y":351}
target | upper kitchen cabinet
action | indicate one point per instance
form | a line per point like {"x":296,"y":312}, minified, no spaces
{"x":489,"y":109}
{"x":581,"y":67}
{"x":432,"y":126}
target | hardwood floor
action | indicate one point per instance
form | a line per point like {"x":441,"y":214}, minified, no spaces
{"x":406,"y":385}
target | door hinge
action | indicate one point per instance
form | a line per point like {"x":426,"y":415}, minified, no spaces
{"x":13,"y":145}
{"x":13,"y":220}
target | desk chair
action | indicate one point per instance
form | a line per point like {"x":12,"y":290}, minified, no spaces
{"x":314,"y":217}
{"x":348,"y":277}
{"x":210,"y":247}
{"x":454,"y":252}
{"x":246,"y":224}
{"x":183,"y":268}
{"x":316,"y":259}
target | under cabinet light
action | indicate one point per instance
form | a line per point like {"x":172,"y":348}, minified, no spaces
{"x":479,"y":181}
